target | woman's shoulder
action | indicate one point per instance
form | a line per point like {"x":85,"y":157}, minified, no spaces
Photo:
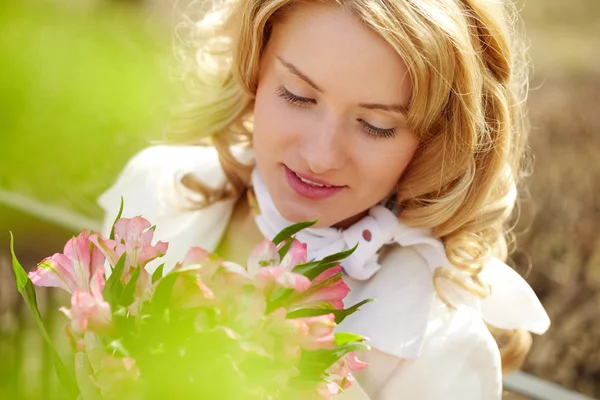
{"x":461,"y":355}
{"x":405,"y":268}
{"x":154,"y":172}
{"x":407,"y":308}
{"x":164,"y":160}
{"x":415,"y":336}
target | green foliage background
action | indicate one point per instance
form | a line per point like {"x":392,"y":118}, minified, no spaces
{"x":81,"y":89}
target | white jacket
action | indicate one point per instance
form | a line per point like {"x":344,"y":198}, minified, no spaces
{"x":422,"y":349}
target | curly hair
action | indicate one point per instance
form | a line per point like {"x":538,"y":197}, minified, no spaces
{"x":469,"y":73}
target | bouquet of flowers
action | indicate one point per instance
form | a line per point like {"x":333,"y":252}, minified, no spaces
{"x":206,"y":329}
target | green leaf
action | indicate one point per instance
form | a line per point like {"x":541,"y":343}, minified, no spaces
{"x":285,"y":248}
{"x":27,"y":290}
{"x":292,"y":230}
{"x":118,"y":347}
{"x":314,"y":269}
{"x":314,"y":363}
{"x":302,"y":268}
{"x":126,"y":297}
{"x":114,"y":286}
{"x":343,"y":338}
{"x":340,"y":315}
{"x":340,"y":256}
{"x":158,"y":273}
{"x":112,"y":230}
{"x":164,"y":289}
{"x":347,"y":348}
{"x":25,"y":287}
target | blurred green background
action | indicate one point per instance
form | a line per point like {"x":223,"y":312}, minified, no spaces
{"x":84,"y":84}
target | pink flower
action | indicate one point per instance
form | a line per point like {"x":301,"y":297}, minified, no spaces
{"x":277,"y":331}
{"x":115,"y":376}
{"x":263,"y":255}
{"x":73,"y":269}
{"x":195,"y":255}
{"x":295,"y":255}
{"x":198,"y":292}
{"x":190,"y":292}
{"x":88,"y":310}
{"x":325,"y":290}
{"x":272,"y":278}
{"x":134,"y":237}
{"x":316,"y":332}
{"x":341,"y":372}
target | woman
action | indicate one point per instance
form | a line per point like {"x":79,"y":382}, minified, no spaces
{"x":399,"y":125}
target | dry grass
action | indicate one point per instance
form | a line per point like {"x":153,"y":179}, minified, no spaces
{"x":563,"y":241}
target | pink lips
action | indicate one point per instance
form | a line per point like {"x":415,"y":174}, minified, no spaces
{"x":310,"y":191}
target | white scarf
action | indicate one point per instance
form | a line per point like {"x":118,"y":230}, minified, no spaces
{"x":511,"y":305}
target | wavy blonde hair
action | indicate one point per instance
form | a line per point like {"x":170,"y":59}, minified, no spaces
{"x":469,"y":81}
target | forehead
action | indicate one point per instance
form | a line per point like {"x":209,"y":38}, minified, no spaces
{"x":335,"y":49}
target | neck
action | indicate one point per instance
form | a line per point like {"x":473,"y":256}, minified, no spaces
{"x":348,"y":222}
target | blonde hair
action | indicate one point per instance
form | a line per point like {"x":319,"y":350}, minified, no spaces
{"x":469,"y":81}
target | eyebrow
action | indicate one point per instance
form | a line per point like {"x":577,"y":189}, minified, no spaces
{"x":294,"y":70}
{"x":398,"y":108}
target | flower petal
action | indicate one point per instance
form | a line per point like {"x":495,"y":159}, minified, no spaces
{"x":328,"y":273}
{"x":195,"y":255}
{"x":55,"y":271}
{"x":131,"y":228}
{"x":107,"y":247}
{"x":263,"y":255}
{"x":324,"y":289}
{"x":89,"y":310}
{"x":319,"y":334}
{"x":271,"y":278}
{"x":295,"y":255}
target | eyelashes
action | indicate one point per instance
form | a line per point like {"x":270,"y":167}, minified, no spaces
{"x":305,"y":102}
{"x":378,"y":132}
{"x":293,"y":99}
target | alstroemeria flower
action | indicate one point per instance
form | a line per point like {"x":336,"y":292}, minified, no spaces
{"x":277,"y":330}
{"x":327,"y":289}
{"x":115,"y":377}
{"x":272,"y":278}
{"x":190,"y":291}
{"x":187,"y":286}
{"x":88,"y":310}
{"x":133,"y":236}
{"x":263,"y":255}
{"x":73,"y":269}
{"x":316,"y":332}
{"x":295,"y":255}
{"x":341,"y":372}
{"x":195,"y":255}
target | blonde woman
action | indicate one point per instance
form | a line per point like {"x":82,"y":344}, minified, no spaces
{"x":398,"y":124}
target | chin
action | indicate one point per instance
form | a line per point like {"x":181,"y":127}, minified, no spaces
{"x":293,"y":213}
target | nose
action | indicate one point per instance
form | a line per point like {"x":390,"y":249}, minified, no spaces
{"x":323,"y":148}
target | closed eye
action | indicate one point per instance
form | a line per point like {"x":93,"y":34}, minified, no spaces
{"x":378,"y":133}
{"x":294,"y":99}
{"x":304,"y":102}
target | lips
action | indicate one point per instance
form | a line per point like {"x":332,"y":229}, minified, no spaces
{"x":310,"y":187}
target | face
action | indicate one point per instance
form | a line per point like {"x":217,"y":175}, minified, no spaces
{"x":330,"y":132}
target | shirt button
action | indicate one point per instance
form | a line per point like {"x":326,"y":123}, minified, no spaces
{"x":366,"y":234}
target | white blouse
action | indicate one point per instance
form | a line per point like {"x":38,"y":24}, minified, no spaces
{"x":421,"y":348}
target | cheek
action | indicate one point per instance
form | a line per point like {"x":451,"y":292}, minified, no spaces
{"x":272,"y":122}
{"x":383,"y":171}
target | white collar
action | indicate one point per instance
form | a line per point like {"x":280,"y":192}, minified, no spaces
{"x":512,"y":303}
